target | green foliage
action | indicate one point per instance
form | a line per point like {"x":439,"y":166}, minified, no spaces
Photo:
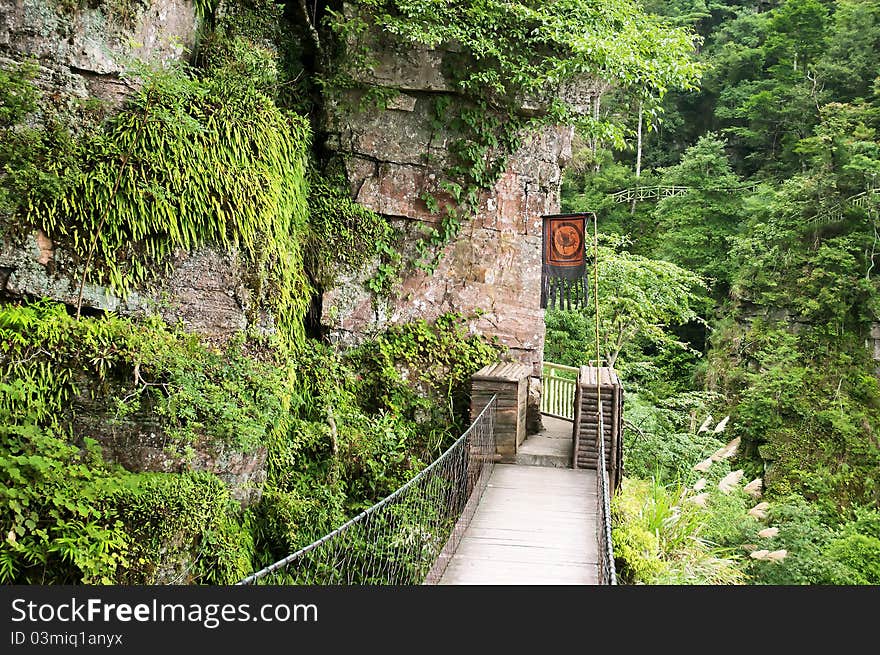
{"x":804,"y":533}
{"x":116,"y":366}
{"x":19,"y":96}
{"x":364,"y":422}
{"x":526,"y":49}
{"x":50,"y":495}
{"x":697,"y":226}
{"x":662,"y":441}
{"x":343,"y":234}
{"x":781,"y":264}
{"x":243,"y":185}
{"x":859,"y":557}
{"x":207,"y":158}
{"x":656,"y":534}
{"x":439,"y":356}
{"x":803,"y":408}
{"x":332,"y":447}
{"x":253,"y":41}
{"x":182,"y":529}
{"x":820,"y":548}
{"x":73,"y":519}
{"x":28,"y":149}
{"x":639,"y":299}
{"x":585,"y":189}
{"x":506,"y":55}
{"x":789,"y":99}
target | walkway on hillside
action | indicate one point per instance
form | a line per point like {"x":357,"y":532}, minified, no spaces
{"x":534,"y":521}
{"x":534,"y":525}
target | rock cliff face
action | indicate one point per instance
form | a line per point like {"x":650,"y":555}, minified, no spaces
{"x":82,"y":49}
{"x":82,"y":53}
{"x":205,"y":289}
{"x":394,"y":155}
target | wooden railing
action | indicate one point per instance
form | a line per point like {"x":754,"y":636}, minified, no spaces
{"x":557,"y":396}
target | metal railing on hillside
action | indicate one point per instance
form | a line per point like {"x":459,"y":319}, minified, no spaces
{"x":607,"y":573}
{"x":866,"y":200}
{"x":656,"y":192}
{"x":406,"y":538}
{"x":558,"y":384}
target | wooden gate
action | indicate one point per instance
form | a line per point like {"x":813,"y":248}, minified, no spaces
{"x":558,"y":384}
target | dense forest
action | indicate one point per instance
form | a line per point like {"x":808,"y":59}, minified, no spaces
{"x":739,"y":311}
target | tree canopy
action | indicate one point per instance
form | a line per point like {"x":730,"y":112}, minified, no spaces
{"x":530,"y":48}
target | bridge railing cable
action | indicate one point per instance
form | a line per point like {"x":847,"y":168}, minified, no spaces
{"x":607,"y":573}
{"x":400,"y":539}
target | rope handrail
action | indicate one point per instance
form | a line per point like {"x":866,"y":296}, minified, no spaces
{"x":404,"y":534}
{"x":607,"y":573}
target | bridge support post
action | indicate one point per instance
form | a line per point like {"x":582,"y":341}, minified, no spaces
{"x":510,"y":383}
{"x":585,"y":429}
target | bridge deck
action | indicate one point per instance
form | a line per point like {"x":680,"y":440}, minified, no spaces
{"x":534,"y":525}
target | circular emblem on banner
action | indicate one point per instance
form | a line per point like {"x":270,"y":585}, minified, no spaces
{"x":566,"y":240}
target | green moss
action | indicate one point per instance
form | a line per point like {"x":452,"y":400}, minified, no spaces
{"x":181,"y":528}
{"x":28,"y":146}
{"x":343,"y":234}
{"x":187,"y":162}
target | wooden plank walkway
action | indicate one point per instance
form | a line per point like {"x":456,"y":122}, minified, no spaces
{"x":534,"y":525}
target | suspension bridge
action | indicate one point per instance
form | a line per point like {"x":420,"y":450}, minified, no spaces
{"x":498,"y":506}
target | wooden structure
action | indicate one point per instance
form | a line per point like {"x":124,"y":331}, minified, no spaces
{"x":534,"y":525}
{"x":592,"y":383}
{"x":510,"y":383}
{"x":558,"y":383}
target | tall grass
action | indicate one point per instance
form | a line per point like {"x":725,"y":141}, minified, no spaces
{"x":658,"y":538}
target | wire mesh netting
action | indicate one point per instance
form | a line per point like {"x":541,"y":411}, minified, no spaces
{"x":607,"y":573}
{"x":407,"y":537}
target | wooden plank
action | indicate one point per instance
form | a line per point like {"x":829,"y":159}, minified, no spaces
{"x":505,"y":371}
{"x":534,"y":525}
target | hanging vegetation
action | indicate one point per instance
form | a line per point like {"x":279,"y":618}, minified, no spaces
{"x":189,"y":162}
